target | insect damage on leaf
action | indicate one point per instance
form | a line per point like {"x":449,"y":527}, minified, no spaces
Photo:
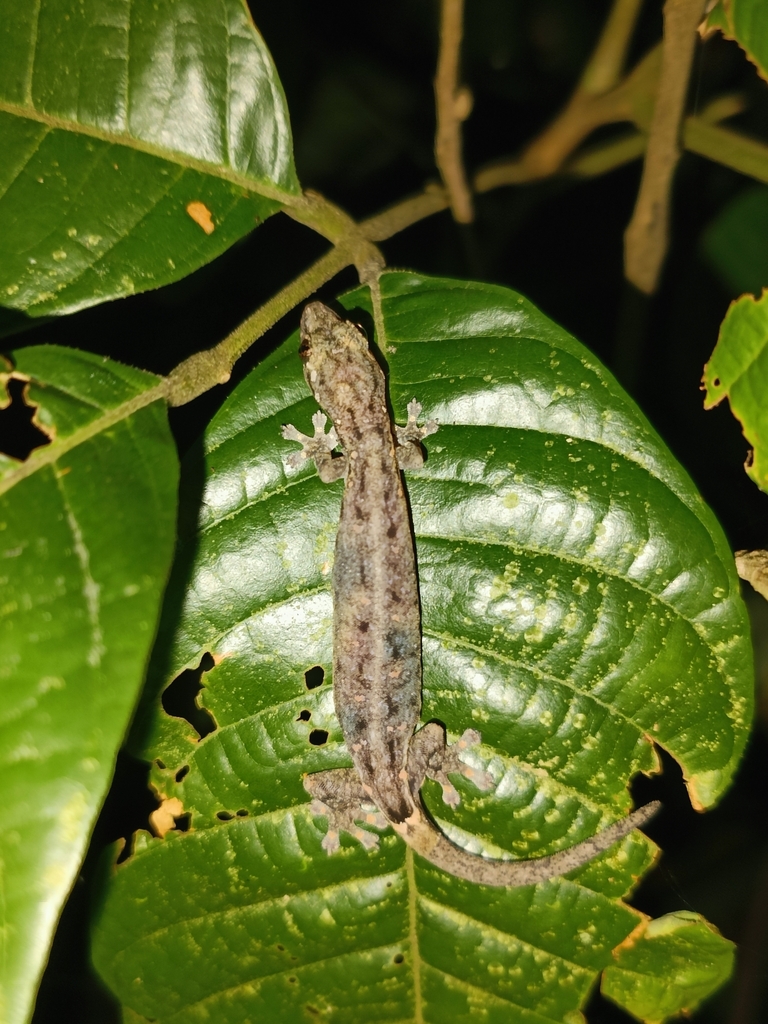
{"x":21,"y":431}
{"x":181,"y":698}
{"x":164,"y":818}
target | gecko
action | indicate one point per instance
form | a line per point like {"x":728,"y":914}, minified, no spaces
{"x":377,"y":672}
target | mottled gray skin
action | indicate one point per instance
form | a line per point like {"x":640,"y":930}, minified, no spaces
{"x":377,"y":627}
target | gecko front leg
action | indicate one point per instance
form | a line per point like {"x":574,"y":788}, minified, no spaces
{"x":409,"y":438}
{"x":319,"y":448}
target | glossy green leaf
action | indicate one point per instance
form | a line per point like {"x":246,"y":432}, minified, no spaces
{"x":87,"y":527}
{"x":746,"y":21}
{"x":138,"y":141}
{"x":738,"y":370}
{"x":669,"y":967}
{"x":736,"y":242}
{"x":579,"y":600}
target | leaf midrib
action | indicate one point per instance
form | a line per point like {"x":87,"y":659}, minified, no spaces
{"x":251,"y":184}
{"x":413,"y":898}
{"x":52,"y":453}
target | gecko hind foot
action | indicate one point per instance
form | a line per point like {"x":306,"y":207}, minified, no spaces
{"x":339,"y":796}
{"x":432,"y":758}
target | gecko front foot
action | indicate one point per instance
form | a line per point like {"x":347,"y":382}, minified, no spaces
{"x":412,"y":431}
{"x":319,"y":448}
{"x":409,"y":438}
{"x":430,"y":757}
{"x":339,"y":796}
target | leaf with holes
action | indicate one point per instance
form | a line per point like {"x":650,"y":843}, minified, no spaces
{"x":87,"y":529}
{"x":139,"y":141}
{"x":738,"y":371}
{"x":579,"y":605}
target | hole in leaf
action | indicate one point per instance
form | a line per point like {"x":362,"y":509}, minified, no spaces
{"x":281,"y":947}
{"x":182,"y":772}
{"x":292,"y":980}
{"x":318,"y":737}
{"x":314,"y":677}
{"x":180,"y":698}
{"x":716,"y":382}
{"x":312,"y":1009}
{"x":398,"y":958}
{"x":160,"y":764}
{"x":242,"y":813}
{"x":19,"y":436}
{"x":224,"y":816}
{"x":183,"y":822}
{"x":304,"y":716}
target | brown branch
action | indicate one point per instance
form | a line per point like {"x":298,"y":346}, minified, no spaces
{"x":699,"y":136}
{"x":201,"y":371}
{"x":401,"y":215}
{"x":453,"y":105}
{"x":647,"y":237}
{"x":354,"y":243}
{"x":606,"y":64}
{"x":632,"y":100}
{"x":205,"y":369}
{"x":726,"y":147}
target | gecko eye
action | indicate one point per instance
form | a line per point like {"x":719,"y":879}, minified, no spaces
{"x":304,"y":348}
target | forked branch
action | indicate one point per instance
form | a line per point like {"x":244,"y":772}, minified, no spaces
{"x":630,"y":100}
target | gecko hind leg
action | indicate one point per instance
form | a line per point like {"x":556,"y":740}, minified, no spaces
{"x":338,"y":795}
{"x":430,"y":757}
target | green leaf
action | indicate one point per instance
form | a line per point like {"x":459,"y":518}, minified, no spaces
{"x":738,"y":370}
{"x":87,"y":527}
{"x":746,"y":21}
{"x":736,"y":242}
{"x":578,"y":598}
{"x":669,"y":967}
{"x":139,"y":141}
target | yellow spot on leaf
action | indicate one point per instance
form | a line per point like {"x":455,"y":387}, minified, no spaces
{"x":201,"y":215}
{"x":163,"y":819}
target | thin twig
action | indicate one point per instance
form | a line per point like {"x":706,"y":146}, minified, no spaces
{"x":647,"y":237}
{"x":453,"y":105}
{"x":201,"y":371}
{"x":354,"y":243}
{"x":697,"y":137}
{"x":632,"y":100}
{"x":402,"y":215}
{"x":605,"y":66}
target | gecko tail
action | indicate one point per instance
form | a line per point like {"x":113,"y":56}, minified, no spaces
{"x":431,"y":844}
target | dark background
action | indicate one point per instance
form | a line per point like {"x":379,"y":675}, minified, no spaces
{"x":358,"y":79}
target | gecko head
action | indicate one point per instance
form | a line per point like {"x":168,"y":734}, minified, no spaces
{"x":324,"y":334}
